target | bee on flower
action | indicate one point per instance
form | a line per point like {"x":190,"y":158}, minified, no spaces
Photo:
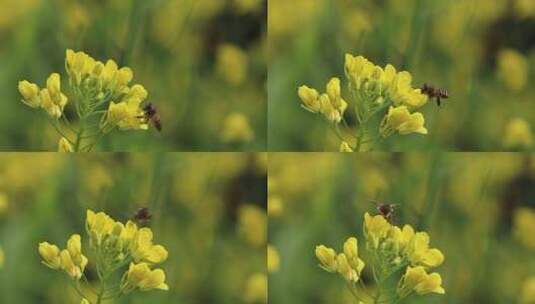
{"x":390,"y":249}
{"x":115,"y":246}
{"x":101,"y":98}
{"x":376,"y":92}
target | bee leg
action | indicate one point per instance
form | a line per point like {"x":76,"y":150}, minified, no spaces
{"x":438,"y":101}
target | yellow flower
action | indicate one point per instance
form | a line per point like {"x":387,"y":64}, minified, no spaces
{"x":50,"y":255}
{"x":109,"y":73}
{"x":51,"y":106}
{"x":78,"y":65}
{"x":419,"y":252}
{"x":98,"y":225}
{"x":358,"y":69}
{"x":327,"y":257}
{"x":513,"y":69}
{"x":84,"y":301}
{"x":418,"y":280}
{"x":402,"y":237}
{"x":128,"y":233}
{"x":328,"y":110}
{"x":376,"y":229}
{"x":401,"y":120}
{"x":273,"y":259}
{"x":135,"y":119}
{"x":334,"y":92}
{"x":236,"y":129}
{"x":143,"y":250}
{"x":256,"y":290}
{"x":53,"y":84}
{"x":70,"y":267}
{"x":402,"y":93}
{"x":137,"y":91}
{"x":74,"y":247}
{"x":518,"y":134}
{"x":30,"y":94}
{"x":344,"y":147}
{"x":64,"y":145}
{"x":388,"y":75}
{"x":310,"y":99}
{"x":124,"y":76}
{"x":232,"y":64}
{"x":140,"y":276}
{"x":117,"y":112}
{"x":345,"y":269}
{"x":351,"y":254}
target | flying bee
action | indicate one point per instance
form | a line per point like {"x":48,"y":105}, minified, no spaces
{"x":152,"y":116}
{"x":434,"y":92}
{"x":386,"y":210}
{"x":142,"y":216}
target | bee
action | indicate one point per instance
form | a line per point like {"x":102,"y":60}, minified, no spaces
{"x":434,"y":92}
{"x":142,"y":216}
{"x":150,"y":114}
{"x":386,"y":210}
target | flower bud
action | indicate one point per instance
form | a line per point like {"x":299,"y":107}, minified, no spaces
{"x":327,"y":257}
{"x":50,"y":255}
{"x":64,"y":145}
{"x":30,"y":94}
{"x":310,"y":99}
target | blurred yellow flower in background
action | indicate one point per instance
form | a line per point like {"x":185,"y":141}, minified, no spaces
{"x":527,"y":292}
{"x":273,"y":259}
{"x":525,"y":8}
{"x":518,"y":134}
{"x":2,"y":258}
{"x":246,"y":6}
{"x":236,"y":129}
{"x":252,"y":225}
{"x":232,"y":64}
{"x":275,"y":206}
{"x":4,"y":203}
{"x":256,"y":289}
{"x":524,"y":227}
{"x":513,"y":69}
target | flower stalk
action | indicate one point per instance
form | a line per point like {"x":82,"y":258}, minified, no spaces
{"x":100,"y":95}
{"x":115,"y":245}
{"x":383,"y":100}
{"x":392,"y":250}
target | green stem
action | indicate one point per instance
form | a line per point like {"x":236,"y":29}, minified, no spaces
{"x":79,"y":139}
{"x":353,"y":292}
{"x":100,"y":295}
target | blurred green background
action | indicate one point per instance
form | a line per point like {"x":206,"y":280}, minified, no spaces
{"x":478,"y":209}
{"x":208,"y":211}
{"x":201,"y":61}
{"x":481,"y":51}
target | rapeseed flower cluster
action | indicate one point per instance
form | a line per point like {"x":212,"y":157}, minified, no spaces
{"x":100,"y":95}
{"x":117,"y":248}
{"x":375,"y":92}
{"x":395,"y":253}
